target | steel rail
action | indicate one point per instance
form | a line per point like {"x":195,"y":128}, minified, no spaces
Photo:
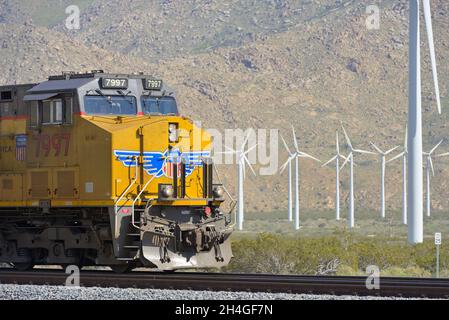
{"x":332,"y":285}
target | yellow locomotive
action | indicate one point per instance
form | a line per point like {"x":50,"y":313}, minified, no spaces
{"x":100,"y":169}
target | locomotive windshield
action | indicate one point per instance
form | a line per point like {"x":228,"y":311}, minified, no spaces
{"x":110,"y":105}
{"x":159,"y":105}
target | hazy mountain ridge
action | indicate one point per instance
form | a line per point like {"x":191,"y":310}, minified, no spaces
{"x":312,"y":75}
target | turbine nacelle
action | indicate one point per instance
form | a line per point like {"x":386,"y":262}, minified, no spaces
{"x":353,"y":150}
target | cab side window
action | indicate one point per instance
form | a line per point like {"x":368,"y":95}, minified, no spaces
{"x":51,"y":112}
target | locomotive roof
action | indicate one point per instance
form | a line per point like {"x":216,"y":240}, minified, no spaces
{"x":71,"y":81}
{"x":59,"y":85}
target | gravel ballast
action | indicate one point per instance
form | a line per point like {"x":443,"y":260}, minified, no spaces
{"x":31,"y":292}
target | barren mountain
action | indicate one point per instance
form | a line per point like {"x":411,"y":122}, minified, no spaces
{"x":308,"y":63}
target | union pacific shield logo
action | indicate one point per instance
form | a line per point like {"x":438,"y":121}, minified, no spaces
{"x":161,"y":163}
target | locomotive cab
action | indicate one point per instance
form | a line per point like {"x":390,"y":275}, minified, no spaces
{"x":104,"y":171}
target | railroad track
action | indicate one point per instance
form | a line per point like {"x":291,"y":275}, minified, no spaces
{"x":333,"y":285}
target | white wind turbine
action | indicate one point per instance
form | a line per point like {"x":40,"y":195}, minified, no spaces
{"x":295,"y":156}
{"x":415,"y":170}
{"x":242,"y":162}
{"x":429,"y":167}
{"x":336,"y":158}
{"x":288,"y":163}
{"x":383,"y":156}
{"x":403,"y":155}
{"x":350,"y":158}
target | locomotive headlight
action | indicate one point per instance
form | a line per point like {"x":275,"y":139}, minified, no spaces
{"x":167,"y":191}
{"x":219,"y":191}
{"x":173,"y":132}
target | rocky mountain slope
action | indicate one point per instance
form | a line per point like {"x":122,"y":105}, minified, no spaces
{"x":307,"y":63}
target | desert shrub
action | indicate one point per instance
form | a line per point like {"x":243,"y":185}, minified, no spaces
{"x":345,"y":270}
{"x":412,"y":271}
{"x":278,"y":254}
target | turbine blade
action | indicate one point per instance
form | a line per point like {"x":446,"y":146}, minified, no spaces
{"x":348,"y":141}
{"x":250,"y":149}
{"x":249,"y":165}
{"x":285,"y":165}
{"x":295,"y":141}
{"x":396,"y":157}
{"x":230,"y":149}
{"x":434,"y":148}
{"x":391,"y":150}
{"x":337,"y":142}
{"x":406,"y":138}
{"x":245,"y":142}
{"x":224,"y":152}
{"x":428,"y":18}
{"x":346,"y":161}
{"x":431,"y":166}
{"x":306,"y":155}
{"x":330,"y":161}
{"x":363,"y":151}
{"x":442,"y":155}
{"x":286,"y":146}
{"x":377,"y":148}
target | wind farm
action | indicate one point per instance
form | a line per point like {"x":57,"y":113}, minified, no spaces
{"x":411,"y":186}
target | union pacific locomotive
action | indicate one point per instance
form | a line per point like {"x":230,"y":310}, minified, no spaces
{"x":100,"y":169}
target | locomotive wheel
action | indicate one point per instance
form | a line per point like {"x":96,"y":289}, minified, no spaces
{"x":24,"y":266}
{"x":121,"y":268}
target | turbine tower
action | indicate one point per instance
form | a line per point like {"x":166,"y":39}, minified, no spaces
{"x":298,"y":154}
{"x":288,"y":163}
{"x":242,"y":162}
{"x":429,"y":167}
{"x":403,"y":155}
{"x":383,"y":157}
{"x":415,"y":170}
{"x":350,"y":158}
{"x":336,"y":158}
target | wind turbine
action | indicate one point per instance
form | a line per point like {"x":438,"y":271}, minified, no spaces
{"x":383,"y":157}
{"x":242,"y":162}
{"x":288,"y":163}
{"x":298,"y":154}
{"x":404,"y":178}
{"x":429,"y":166}
{"x":415,"y":170}
{"x":336,"y":158}
{"x":350,"y":158}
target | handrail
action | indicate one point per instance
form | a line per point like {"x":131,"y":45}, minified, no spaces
{"x":141,"y":192}
{"x":132,"y":183}
{"x":233,"y":201}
